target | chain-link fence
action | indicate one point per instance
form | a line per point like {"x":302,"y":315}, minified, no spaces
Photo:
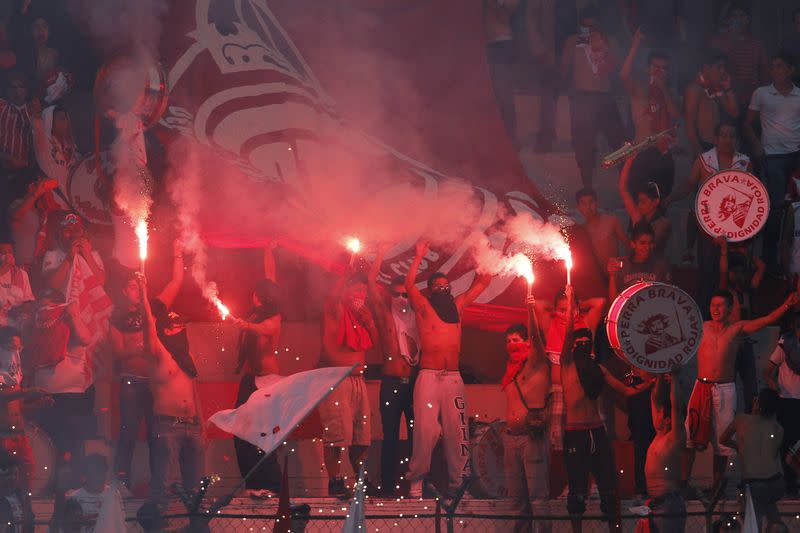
{"x":437,"y":522}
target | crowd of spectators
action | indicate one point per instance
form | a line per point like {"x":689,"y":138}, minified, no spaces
{"x":65,"y":308}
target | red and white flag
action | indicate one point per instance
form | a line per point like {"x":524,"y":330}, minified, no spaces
{"x":271,"y":413}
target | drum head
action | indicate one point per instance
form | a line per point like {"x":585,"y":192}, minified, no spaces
{"x":656,"y":327}
{"x":733,"y":204}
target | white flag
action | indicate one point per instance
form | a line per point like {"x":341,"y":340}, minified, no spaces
{"x":271,"y":413}
{"x":750,"y":519}
{"x":112,"y":517}
{"x":355,"y":516}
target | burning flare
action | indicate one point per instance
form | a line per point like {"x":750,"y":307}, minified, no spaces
{"x":141,"y":236}
{"x":353,"y":244}
{"x":224,"y":312}
{"x":568,"y":263}
{"x":522,"y":266}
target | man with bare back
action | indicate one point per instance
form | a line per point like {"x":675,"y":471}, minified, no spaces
{"x":664,"y":456}
{"x":439,"y":396}
{"x":712,"y":405}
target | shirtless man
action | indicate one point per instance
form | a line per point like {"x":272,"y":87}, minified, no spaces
{"x":705,"y":98}
{"x":758,"y":442}
{"x":553,"y":322}
{"x":134,"y":365}
{"x":177,"y":428}
{"x":348,"y":331}
{"x":526,"y":444}
{"x":439,"y":390}
{"x":654,"y":108}
{"x":586,"y":444}
{"x":604,"y":229}
{"x":399,"y":335}
{"x":664,"y":456}
{"x":716,"y":378}
{"x":258,"y":363}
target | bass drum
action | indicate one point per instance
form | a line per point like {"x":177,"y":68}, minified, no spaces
{"x":486,"y":455}
{"x":654,"y":326}
{"x":44,"y":459}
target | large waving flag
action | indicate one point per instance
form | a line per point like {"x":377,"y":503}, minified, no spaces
{"x":112,"y":516}
{"x":271,"y":413}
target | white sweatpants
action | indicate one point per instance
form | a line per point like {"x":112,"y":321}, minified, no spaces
{"x":440,"y":408}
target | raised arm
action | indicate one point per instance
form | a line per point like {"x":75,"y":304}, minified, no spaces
{"x":722,"y":242}
{"x":534,"y":334}
{"x":566,"y":350}
{"x":627,"y":199}
{"x":18,"y":212}
{"x":170,"y":291}
{"x":625,"y":73}
{"x":151,"y":341}
{"x":414,"y":294}
{"x":621,"y":235}
{"x":479,"y":285}
{"x":676,"y":416}
{"x":373,"y":292}
{"x":751,"y":326}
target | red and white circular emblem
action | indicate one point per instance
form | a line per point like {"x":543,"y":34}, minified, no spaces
{"x":732,"y":203}
{"x":654,"y":326}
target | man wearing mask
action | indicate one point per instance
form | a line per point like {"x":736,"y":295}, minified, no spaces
{"x":586,"y":444}
{"x":397,"y":326}
{"x":439,"y":390}
{"x":258,"y":362}
{"x":348,"y":331}
{"x":177,"y":427}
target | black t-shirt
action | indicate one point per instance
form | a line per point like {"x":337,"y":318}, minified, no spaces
{"x":656,"y":268}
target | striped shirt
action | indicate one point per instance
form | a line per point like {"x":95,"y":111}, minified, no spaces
{"x":747,"y":64}
{"x":15,"y":130}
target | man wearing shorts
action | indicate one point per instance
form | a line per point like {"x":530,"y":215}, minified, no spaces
{"x":348,"y":332}
{"x":712,"y":405}
{"x":439,"y":395}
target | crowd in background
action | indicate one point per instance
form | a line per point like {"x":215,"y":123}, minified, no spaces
{"x":64,"y":305}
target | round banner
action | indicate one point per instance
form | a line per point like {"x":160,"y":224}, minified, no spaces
{"x":732,"y":203}
{"x":654,"y":326}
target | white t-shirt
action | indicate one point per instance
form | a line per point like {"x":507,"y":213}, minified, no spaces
{"x":780,"y":119}
{"x":17,"y":513}
{"x":15,"y":288}
{"x":90,"y":505}
{"x":71,"y":374}
{"x":788,"y":381}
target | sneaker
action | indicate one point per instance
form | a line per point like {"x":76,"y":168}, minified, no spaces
{"x":415,"y":489}
{"x":337,"y":488}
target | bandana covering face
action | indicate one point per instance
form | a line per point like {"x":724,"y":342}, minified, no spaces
{"x":517,"y":355}
{"x":352,"y":333}
{"x":445,"y":306}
